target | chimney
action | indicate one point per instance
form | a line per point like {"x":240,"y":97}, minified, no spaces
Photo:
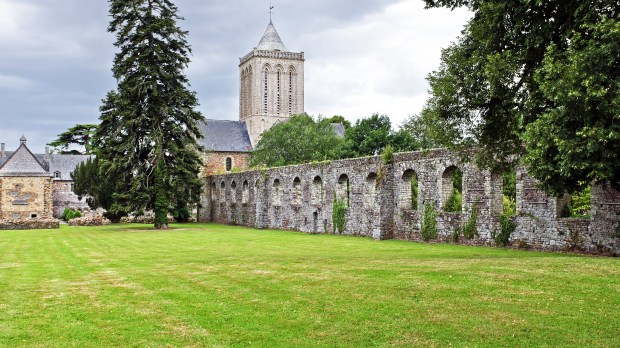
{"x":2,"y":153}
{"x":47,"y":152}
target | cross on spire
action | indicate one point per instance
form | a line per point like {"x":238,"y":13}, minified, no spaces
{"x":270,"y":10}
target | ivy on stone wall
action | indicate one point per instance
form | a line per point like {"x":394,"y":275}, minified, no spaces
{"x":469,"y":230}
{"x":429,"y":222}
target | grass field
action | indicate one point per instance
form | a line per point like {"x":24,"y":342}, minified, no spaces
{"x":219,"y":286}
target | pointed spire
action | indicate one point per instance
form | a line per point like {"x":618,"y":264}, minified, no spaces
{"x":271,"y":40}
{"x":22,"y":140}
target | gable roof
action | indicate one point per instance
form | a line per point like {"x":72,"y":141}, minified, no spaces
{"x":65,"y":164}
{"x":225,"y":136}
{"x":23,"y":162}
{"x":271,"y":40}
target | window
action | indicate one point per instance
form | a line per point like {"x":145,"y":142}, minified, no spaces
{"x":278,"y":93}
{"x":265,"y":90}
{"x":57,"y":174}
{"x":33,"y":216}
{"x":228,"y":164}
{"x":72,"y":187}
{"x":290,"y":91}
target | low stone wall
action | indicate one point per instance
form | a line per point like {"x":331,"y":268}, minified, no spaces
{"x":379,"y":204}
{"x":42,"y":224}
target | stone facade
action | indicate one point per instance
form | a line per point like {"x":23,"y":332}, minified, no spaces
{"x":271,"y":86}
{"x":224,"y":162}
{"x":379,"y":203}
{"x":24,"y":198}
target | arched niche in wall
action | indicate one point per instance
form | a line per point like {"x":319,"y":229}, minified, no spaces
{"x":245,"y":192}
{"x":370,"y":189}
{"x":296,"y":199}
{"x":316,"y":192}
{"x":343,"y":193}
{"x":409,"y":190}
{"x":276,"y":193}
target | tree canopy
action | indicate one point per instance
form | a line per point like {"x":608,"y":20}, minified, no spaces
{"x":535,"y":78}
{"x":299,"y":140}
{"x":79,"y":135}
{"x":149,"y":126}
{"x":370,"y":135}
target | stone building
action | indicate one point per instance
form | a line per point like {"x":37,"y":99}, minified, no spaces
{"x":271,"y":86}
{"x":36,"y":186}
{"x":271,"y":89}
{"x":226,"y":146}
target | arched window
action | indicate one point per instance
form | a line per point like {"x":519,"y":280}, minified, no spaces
{"x":278,"y":92}
{"x":343,"y":190}
{"x":317,"y":191}
{"x":228,"y":164}
{"x":222,"y":192}
{"x":409,"y":190}
{"x":296,"y":191}
{"x":245,"y":193}
{"x":213,"y":192}
{"x":290,"y":90}
{"x":233,"y":192}
{"x":451,"y":189}
{"x":265,"y":90}
{"x":370,"y":190}
{"x":276,"y":193}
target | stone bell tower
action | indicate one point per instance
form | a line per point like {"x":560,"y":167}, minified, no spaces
{"x":271,"y":84}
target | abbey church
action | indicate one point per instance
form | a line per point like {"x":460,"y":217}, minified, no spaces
{"x":271,"y":89}
{"x":35,"y":186}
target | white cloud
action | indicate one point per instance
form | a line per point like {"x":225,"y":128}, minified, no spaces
{"x":380,"y":63}
{"x":14,"y":82}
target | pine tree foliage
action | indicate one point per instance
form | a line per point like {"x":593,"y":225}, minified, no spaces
{"x":150,"y":121}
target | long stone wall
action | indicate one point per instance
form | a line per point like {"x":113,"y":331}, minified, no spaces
{"x":379,"y":202}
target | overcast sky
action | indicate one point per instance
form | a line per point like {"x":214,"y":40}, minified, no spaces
{"x":362,"y":57}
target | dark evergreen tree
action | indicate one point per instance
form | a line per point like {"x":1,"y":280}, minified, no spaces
{"x":149,"y":126}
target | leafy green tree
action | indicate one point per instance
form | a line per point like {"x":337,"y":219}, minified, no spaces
{"x":149,"y":126}
{"x":80,"y":135}
{"x":299,"y":140}
{"x":543,"y":74}
{"x":339,"y":119}
{"x":369,"y":136}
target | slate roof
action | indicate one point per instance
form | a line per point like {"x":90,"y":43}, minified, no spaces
{"x":271,"y":40}
{"x":338,"y":129}
{"x":22,"y":162}
{"x":225,"y":136}
{"x":65,"y":164}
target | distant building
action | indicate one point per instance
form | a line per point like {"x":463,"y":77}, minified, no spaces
{"x":36,"y":186}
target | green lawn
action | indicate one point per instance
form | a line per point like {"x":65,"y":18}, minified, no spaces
{"x":219,"y":286}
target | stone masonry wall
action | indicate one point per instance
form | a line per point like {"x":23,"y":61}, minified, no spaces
{"x":215,"y":162}
{"x":379,"y":203}
{"x":25,"y":198}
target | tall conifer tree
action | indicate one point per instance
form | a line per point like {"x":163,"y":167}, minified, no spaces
{"x":149,"y":125}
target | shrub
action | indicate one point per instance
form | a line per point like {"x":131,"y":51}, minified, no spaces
{"x":429,"y":222}
{"x":69,"y":214}
{"x":469,"y":230}
{"x":387,"y":156}
{"x":338,"y":210}
{"x":454,"y":203}
{"x":507,"y":226}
